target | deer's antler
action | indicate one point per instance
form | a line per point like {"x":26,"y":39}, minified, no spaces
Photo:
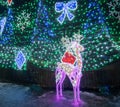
{"x":77,"y":37}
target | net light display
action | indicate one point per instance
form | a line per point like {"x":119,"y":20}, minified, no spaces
{"x":41,"y":36}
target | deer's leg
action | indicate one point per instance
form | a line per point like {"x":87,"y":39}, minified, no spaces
{"x":60,"y":76}
{"x":61,"y":82}
{"x":78,"y":89}
{"x":75,"y":96}
{"x":57,"y":90}
{"x":74,"y":84}
{"x":78,"y":86}
{"x":57,"y":76}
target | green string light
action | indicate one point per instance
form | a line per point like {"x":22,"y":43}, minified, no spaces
{"x":101,"y":40}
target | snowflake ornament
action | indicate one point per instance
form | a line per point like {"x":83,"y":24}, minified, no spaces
{"x":23,"y":20}
{"x":114,"y":9}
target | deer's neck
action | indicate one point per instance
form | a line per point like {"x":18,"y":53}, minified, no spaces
{"x":79,"y":60}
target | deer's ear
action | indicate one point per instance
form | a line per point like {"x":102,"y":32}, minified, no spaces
{"x":81,"y":48}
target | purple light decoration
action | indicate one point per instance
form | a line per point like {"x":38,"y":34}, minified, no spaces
{"x":72,"y":71}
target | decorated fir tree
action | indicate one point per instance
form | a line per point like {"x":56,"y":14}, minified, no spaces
{"x":53,"y":20}
{"x":7,"y":33}
{"x":99,"y":50}
{"x":43,"y":27}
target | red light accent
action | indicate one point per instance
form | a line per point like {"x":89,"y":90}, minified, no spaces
{"x":68,"y":58}
{"x":9,"y":2}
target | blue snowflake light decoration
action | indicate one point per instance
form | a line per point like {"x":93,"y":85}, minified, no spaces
{"x":20,"y":60}
{"x":65,"y":8}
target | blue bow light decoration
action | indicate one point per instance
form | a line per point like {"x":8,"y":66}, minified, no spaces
{"x":65,"y":8}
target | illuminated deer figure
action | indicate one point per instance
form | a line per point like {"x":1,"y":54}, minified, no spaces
{"x":72,"y":70}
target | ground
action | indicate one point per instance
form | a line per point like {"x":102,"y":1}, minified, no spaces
{"x":12,"y":95}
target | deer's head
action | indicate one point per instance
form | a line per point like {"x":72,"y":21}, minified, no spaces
{"x":76,"y":46}
{"x":73,"y":43}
